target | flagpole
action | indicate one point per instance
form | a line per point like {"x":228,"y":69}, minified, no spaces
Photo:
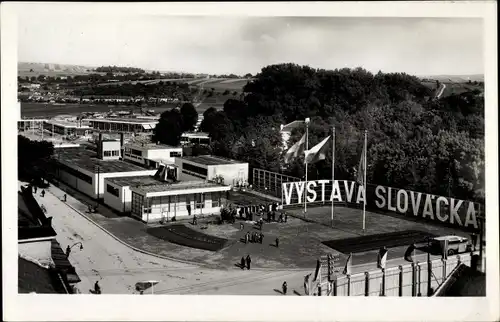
{"x":305,"y":156}
{"x":364,"y":181}
{"x":333,"y":166}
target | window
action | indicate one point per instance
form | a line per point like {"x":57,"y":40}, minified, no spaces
{"x":199,"y":201}
{"x":107,"y":153}
{"x":216,"y":199}
{"x":137,"y":204}
{"x":112,"y":190}
{"x":136,"y":152}
{"x":116,"y":153}
{"x":175,"y":154}
{"x":194,"y":169}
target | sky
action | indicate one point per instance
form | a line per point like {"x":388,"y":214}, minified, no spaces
{"x":240,"y":45}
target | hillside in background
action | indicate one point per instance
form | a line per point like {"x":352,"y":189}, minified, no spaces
{"x":36,"y":69}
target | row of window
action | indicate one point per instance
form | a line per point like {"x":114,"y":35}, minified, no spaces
{"x":76,"y":173}
{"x":114,"y":153}
{"x":195,"y":169}
{"x":171,"y":203}
{"x":112,"y":190}
{"x":194,"y":174}
{"x":175,"y":154}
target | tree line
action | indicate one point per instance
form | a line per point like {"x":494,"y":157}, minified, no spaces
{"x":414,"y":140}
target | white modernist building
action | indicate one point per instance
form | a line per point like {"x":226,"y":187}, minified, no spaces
{"x":83,"y":170}
{"x":150,"y":154}
{"x":180,"y":199}
{"x":207,"y":167}
{"x":127,"y":125}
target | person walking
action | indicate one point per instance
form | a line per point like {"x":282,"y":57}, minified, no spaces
{"x":242,"y":263}
{"x":249,"y":261}
{"x":43,"y":193}
{"x":242,"y":226}
{"x":247,"y":237}
{"x":195,"y":220}
{"x":97,"y":288}
{"x":277,"y":242}
{"x":284,"y":287}
{"x":261,"y":239}
{"x":65,"y":197}
{"x":68,"y":251}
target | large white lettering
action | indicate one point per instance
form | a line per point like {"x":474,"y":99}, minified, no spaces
{"x":288,"y":190}
{"x":299,"y":186}
{"x":428,"y":208}
{"x":322,"y":183}
{"x":438,"y":209}
{"x":390,"y":207}
{"x":361,"y":194}
{"x":336,"y":192}
{"x":454,"y":212}
{"x":415,"y":203}
{"x":311,"y":191}
{"x":402,"y":208}
{"x":471,"y":216}
{"x":378,"y":192}
{"x":349,"y":190}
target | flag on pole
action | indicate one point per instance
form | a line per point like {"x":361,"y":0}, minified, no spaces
{"x":360,"y":175}
{"x":409,"y":253}
{"x":317,"y":272}
{"x":296,"y":149}
{"x":306,"y":283}
{"x":318,"y":152}
{"x":348,"y":264}
{"x":382,"y":257}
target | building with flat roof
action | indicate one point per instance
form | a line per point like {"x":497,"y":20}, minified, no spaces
{"x":127,"y":125}
{"x":212,"y":168}
{"x":151,"y":154}
{"x":159,"y":197}
{"x":81,"y":169}
{"x":66,"y":128}
{"x":201,"y":138}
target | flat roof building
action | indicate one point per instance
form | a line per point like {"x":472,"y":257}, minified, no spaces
{"x":195,"y":138}
{"x":151,"y":154}
{"x":81,"y":169}
{"x":128,"y":125}
{"x":212,"y":168}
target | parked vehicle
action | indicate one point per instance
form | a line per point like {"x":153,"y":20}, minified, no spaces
{"x":456,"y":244}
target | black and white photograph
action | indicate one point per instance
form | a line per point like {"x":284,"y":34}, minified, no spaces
{"x":192,"y":151}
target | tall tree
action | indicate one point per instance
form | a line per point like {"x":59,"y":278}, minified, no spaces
{"x":189,"y":116}
{"x":169,"y":128}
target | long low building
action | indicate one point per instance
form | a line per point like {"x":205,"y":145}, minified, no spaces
{"x":151,"y":154}
{"x":127,"y":125}
{"x":83,"y":170}
{"x":66,"y":128}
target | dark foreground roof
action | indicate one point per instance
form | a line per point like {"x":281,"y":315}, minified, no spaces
{"x":34,"y":278}
{"x":31,"y":220}
{"x":464,"y":281}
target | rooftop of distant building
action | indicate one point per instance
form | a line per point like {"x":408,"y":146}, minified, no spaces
{"x":181,"y":185}
{"x":87,"y":159}
{"x":135,"y":181}
{"x":122,"y":120}
{"x":210,"y":160}
{"x":150,"y":146}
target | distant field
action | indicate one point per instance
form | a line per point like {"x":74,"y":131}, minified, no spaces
{"x":54,"y":70}
{"x":454,"y":88}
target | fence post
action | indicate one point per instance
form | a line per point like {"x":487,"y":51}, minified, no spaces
{"x":419,"y":268}
{"x":400,"y":288}
{"x":413,"y":280}
{"x":348,"y":285}
{"x":444,"y":269}
{"x":367,"y":284}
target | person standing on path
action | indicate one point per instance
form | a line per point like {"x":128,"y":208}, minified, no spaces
{"x":97,"y":288}
{"x":284,"y":287}
{"x":277,"y":242}
{"x":261,"y":239}
{"x":247,"y":237}
{"x":249,"y":260}
{"x":68,"y":251}
{"x":242,"y":263}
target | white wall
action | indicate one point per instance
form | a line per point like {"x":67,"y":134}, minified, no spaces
{"x":103,"y":176}
{"x":163,"y":154}
{"x":80,"y":185}
{"x":230,"y":172}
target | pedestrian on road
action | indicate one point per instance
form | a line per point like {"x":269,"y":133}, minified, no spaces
{"x":68,"y":251}
{"x":97,"y":288}
{"x":247,"y":237}
{"x":261,"y":237}
{"x":284,"y":287}
{"x":249,"y":260}
{"x":242,"y":226}
{"x":36,"y":189}
{"x":277,"y":242}
{"x":65,"y":197}
{"x":242,"y":263}
{"x":195,"y":221}
{"x":43,"y":193}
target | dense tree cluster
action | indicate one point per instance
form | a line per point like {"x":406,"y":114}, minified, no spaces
{"x":33,"y":157}
{"x":116,"y":69}
{"x":414,"y":140}
{"x":160,"y":89}
{"x":174,"y":122}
